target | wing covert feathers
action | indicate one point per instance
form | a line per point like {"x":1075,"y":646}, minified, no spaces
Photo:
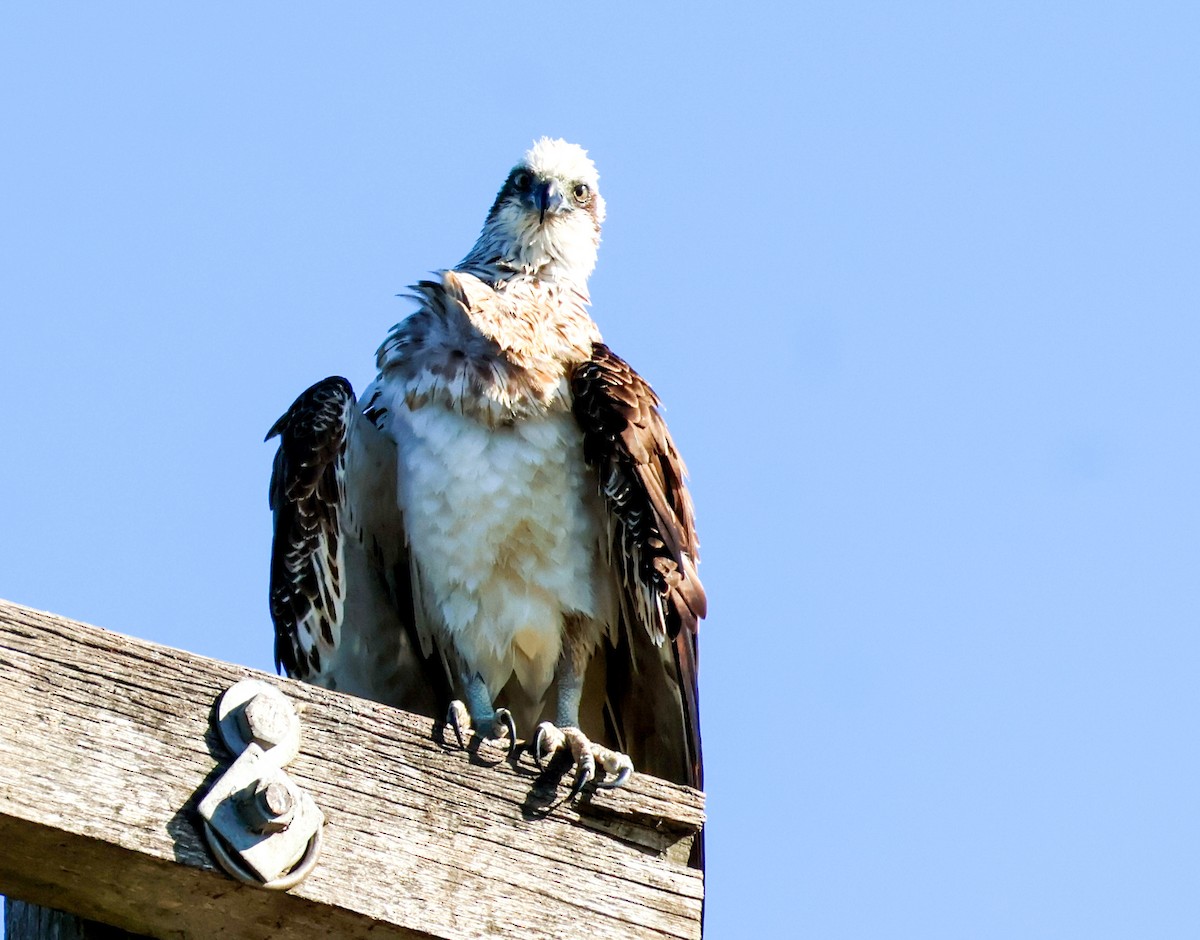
{"x":642,"y":479}
{"x":307,"y":495}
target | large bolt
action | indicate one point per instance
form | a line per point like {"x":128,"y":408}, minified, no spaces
{"x":267,"y":807}
{"x":265,"y":720}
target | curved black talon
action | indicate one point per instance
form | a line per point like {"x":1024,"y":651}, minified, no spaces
{"x":454,"y":718}
{"x":582,"y":776}
{"x":537,"y":746}
{"x":622,"y":778}
{"x":504,"y":716}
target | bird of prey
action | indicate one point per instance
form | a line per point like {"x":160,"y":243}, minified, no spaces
{"x":499,"y":531}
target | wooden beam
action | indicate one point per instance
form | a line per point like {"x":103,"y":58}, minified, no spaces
{"x":23,"y":921}
{"x":106,"y":749}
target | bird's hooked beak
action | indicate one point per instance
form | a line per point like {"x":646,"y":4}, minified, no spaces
{"x":547,"y":196}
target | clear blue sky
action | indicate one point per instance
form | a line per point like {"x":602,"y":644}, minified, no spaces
{"x":917,"y":283}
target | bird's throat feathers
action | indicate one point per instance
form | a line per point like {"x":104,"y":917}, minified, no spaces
{"x":514,"y":241}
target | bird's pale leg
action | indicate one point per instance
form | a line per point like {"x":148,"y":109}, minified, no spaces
{"x":550,"y":737}
{"x":478,"y":712}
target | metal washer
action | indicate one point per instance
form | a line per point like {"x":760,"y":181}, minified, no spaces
{"x":235,"y":698}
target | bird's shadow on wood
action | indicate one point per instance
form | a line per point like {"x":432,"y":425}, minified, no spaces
{"x":479,"y":752}
{"x":544,"y":795}
{"x":186,"y":826}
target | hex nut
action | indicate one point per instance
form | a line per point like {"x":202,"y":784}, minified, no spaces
{"x":265,"y":720}
{"x":267,"y":807}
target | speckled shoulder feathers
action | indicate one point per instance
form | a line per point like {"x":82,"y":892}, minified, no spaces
{"x":497,"y":353}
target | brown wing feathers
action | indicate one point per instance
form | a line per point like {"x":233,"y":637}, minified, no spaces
{"x":654,"y":540}
{"x":642,"y":477}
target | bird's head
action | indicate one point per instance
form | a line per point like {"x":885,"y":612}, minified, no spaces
{"x":546,"y":218}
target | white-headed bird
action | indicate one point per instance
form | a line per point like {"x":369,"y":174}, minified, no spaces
{"x":500,"y":532}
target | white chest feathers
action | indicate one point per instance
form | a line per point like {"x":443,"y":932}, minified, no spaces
{"x":505,"y":532}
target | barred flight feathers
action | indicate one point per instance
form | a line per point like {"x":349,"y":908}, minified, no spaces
{"x":307,"y":494}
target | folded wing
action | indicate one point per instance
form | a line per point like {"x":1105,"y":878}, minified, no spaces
{"x":340,"y":592}
{"x":652,"y":673}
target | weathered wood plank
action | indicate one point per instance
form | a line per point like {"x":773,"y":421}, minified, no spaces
{"x":105,"y":750}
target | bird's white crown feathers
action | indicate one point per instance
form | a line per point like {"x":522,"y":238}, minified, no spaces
{"x":546,"y":219}
{"x":553,"y":156}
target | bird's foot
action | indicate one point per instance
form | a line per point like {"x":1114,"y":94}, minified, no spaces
{"x":587,"y":757}
{"x":500,"y":728}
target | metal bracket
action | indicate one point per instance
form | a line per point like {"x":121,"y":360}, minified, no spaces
{"x":261,"y":827}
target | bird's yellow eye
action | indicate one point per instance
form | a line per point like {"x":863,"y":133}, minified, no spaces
{"x":522,"y":181}
{"x":581,"y":192}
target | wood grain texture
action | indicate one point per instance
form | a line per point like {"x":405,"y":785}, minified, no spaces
{"x":105,"y":750}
